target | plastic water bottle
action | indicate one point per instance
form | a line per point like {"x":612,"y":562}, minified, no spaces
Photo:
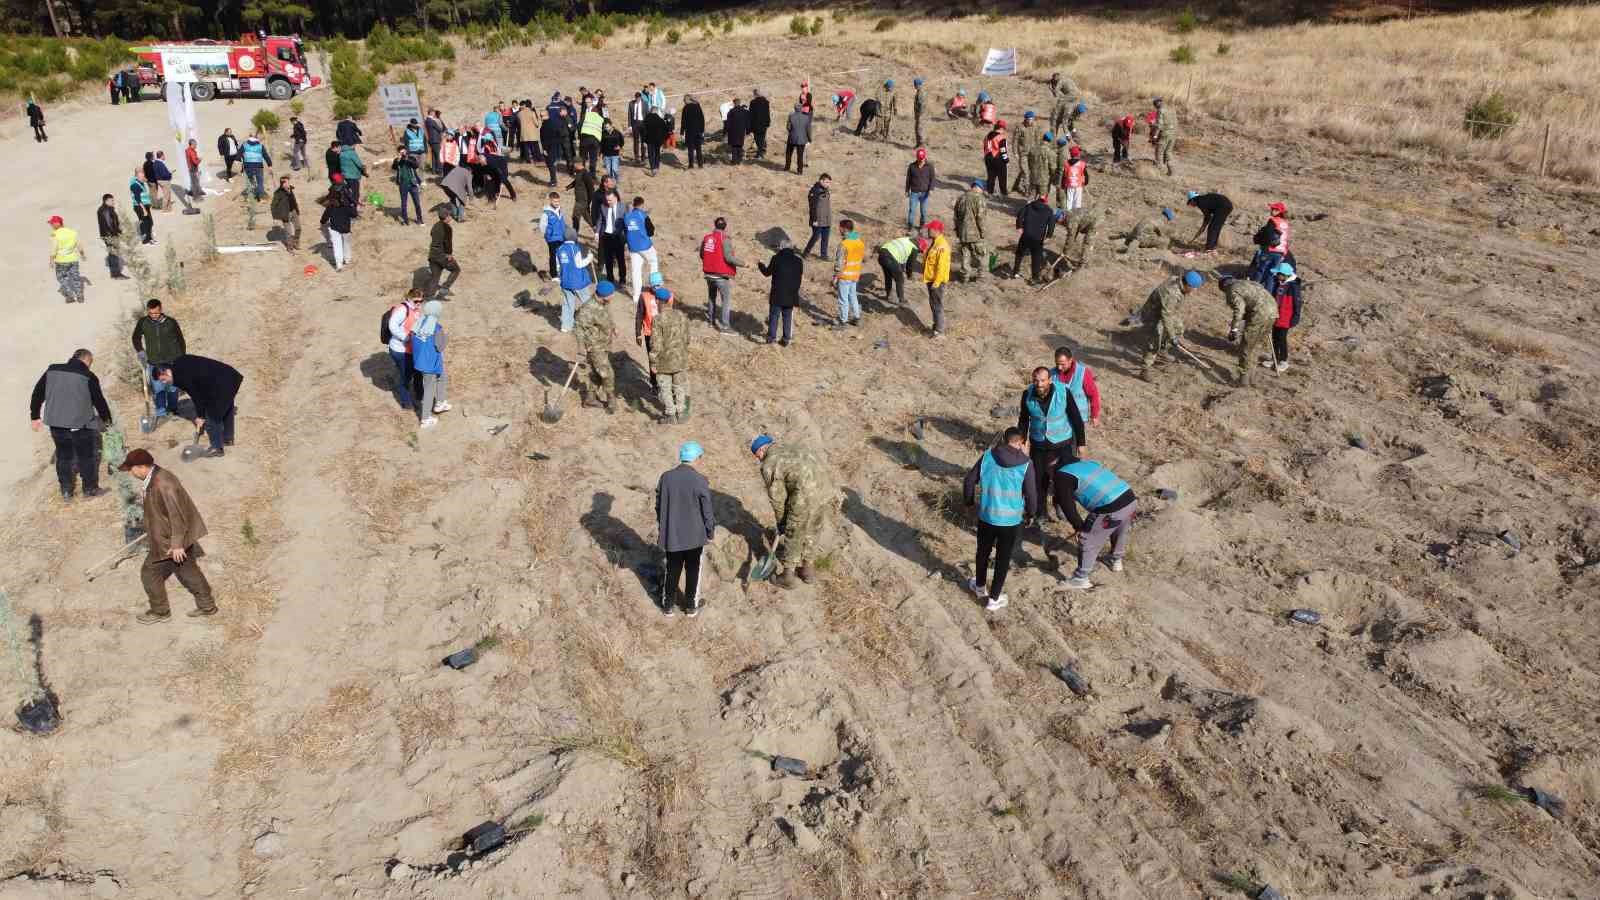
{"x":1306,"y":616}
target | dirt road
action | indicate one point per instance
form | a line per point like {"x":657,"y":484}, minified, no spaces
{"x":93,"y":150}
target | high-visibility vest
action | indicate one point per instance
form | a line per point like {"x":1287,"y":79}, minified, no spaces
{"x":1050,"y":425}
{"x":1000,"y":500}
{"x":1074,"y":385}
{"x":592,"y":121}
{"x":652,"y":307}
{"x":414,"y":139}
{"x":252,"y":151}
{"x":986,"y":114}
{"x":1072,"y":175}
{"x":854,"y":250}
{"x":1097,"y":485}
{"x":573,"y":276}
{"x":633,"y":229}
{"x":450,"y":153}
{"x":1282,"y":224}
{"x":899,"y":249}
{"x":66,"y":244}
{"x":712,"y":259}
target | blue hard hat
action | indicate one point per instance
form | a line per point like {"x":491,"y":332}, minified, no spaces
{"x":1083,"y":108}
{"x":1283,"y":268}
{"x":655,"y":279}
{"x":916,"y":82}
{"x":889,"y":83}
{"x":1062,"y":141}
{"x":1028,"y":114}
{"x":1167,"y":211}
{"x":605,"y":289}
{"x":689,"y":451}
{"x":978,"y":183}
{"x":760,"y":441}
{"x":662,"y":293}
{"x":1193,"y":279}
{"x":1049,"y":136}
{"x":1191,"y":195}
{"x":835,"y":98}
{"x":983,"y":96}
{"x":961,"y":92}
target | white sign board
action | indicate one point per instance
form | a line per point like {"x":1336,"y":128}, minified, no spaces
{"x":187,"y":65}
{"x":1000,"y":62}
{"x":400,"y":103}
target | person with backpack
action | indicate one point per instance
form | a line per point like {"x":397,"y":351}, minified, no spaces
{"x":639,"y":233}
{"x":394,"y":330}
{"x":1272,"y":243}
{"x":553,"y":228}
{"x":1286,"y":287}
{"x":1003,"y":487}
{"x":427,"y":358}
{"x":573,"y":269}
{"x":720,"y":267}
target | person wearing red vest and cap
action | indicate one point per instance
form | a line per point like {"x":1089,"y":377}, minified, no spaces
{"x":1272,"y":242}
{"x":720,"y":266}
{"x":996,"y":154}
{"x":1121,"y":135}
{"x":1075,"y":176}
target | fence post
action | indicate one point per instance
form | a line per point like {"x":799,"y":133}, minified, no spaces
{"x":1544,"y":151}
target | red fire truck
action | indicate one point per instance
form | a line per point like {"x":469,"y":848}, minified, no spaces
{"x":255,"y":64}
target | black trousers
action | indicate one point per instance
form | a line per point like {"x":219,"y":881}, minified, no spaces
{"x":612,"y":259}
{"x":1034,"y":247}
{"x":996,"y":180}
{"x":692,"y":144}
{"x":685,"y":565}
{"x":760,"y":134}
{"x":147,"y":223}
{"x":790,"y":152}
{"x":1214,"y":227}
{"x":1119,"y":150}
{"x":502,"y":176}
{"x":1280,"y":344}
{"x":553,"y":245}
{"x":867,"y":115}
{"x":76,"y":448}
{"x":1046,"y":459}
{"x":736,"y":151}
{"x":893,"y":276}
{"x":1001,"y":540}
{"x":590,"y":148}
{"x":654,"y":152}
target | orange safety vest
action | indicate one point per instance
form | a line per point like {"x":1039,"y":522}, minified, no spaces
{"x":1282,"y":224}
{"x":1072,"y":175}
{"x":986,"y":113}
{"x":651,"y":307}
{"x":450,"y":153}
{"x":854,"y":250}
{"x":472,"y":153}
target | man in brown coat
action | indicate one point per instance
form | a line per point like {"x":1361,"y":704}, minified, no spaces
{"x":175,"y":528}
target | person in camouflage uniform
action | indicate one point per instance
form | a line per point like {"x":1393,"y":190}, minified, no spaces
{"x":1166,"y":134}
{"x":1022,"y":142}
{"x":595,"y":330}
{"x":1064,"y":93}
{"x":802,"y":497}
{"x":1254,"y":312}
{"x":916,"y":111}
{"x":969,"y":233}
{"x":888,"y":107}
{"x":1058,"y":162}
{"x":1039,"y":154}
{"x":1150,"y":234}
{"x":1080,"y":223}
{"x":1162,"y":316}
{"x":669,"y":357}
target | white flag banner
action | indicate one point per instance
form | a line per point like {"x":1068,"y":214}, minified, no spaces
{"x":1000,"y":62}
{"x":180,"y":112}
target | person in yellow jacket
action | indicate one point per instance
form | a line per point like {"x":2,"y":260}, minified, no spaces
{"x":847,"y":260}
{"x":65,"y":254}
{"x":936,"y":274}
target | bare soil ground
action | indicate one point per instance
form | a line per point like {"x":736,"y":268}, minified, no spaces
{"x":308,"y":743}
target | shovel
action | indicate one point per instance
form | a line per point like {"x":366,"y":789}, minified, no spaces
{"x":763,"y":568}
{"x":552,"y":411}
{"x":147,"y":422}
{"x":194,"y":451}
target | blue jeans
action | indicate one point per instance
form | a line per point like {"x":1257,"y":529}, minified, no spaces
{"x":414,"y":192}
{"x":917,"y":204}
{"x":402,"y":365}
{"x":614,"y":168}
{"x":164,"y":397}
{"x":252,"y":171}
{"x":570,"y":301}
{"x":849,"y":303}
{"x":818,"y":233}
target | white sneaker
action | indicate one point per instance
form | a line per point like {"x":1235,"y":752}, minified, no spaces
{"x":429,"y":422}
{"x":440,"y":408}
{"x":1115,"y":565}
{"x":1267,"y":362}
{"x":996,"y":604}
{"x":1078,"y":584}
{"x":977,"y":589}
{"x":1281,"y":367}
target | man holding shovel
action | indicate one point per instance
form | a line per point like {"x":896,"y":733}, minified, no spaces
{"x":212,"y":385}
{"x":175,"y":528}
{"x":158,"y":341}
{"x":801,"y":498}
{"x":595,"y":331}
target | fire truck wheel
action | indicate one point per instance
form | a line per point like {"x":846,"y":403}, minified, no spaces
{"x":278,"y":89}
{"x":203,"y":90}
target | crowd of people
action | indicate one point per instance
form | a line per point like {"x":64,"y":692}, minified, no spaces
{"x":1011,"y":485}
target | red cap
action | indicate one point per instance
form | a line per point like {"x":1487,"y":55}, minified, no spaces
{"x":1127,"y":121}
{"x":1000,"y":123}
{"x":1277,"y":207}
{"x":1074,"y":151}
{"x":922,"y":245}
{"x":922,"y":153}
{"x":936,"y":225}
{"x":337,"y":178}
{"x":56,"y":222}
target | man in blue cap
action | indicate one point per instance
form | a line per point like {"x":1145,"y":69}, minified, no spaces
{"x":971,"y":246}
{"x":595,"y":331}
{"x":888,"y":107}
{"x":685,"y":524}
{"x":1214,"y":209}
{"x":917,"y":107}
{"x":1058,"y":164}
{"x":1021,"y":141}
{"x":802,"y":496}
{"x":1162,"y":317}
{"x":1150,"y":234}
{"x":669,"y":357}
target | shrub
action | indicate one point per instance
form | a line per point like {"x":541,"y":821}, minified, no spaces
{"x":379,"y":67}
{"x":1222,"y":49}
{"x":296,"y":107}
{"x":448,"y":75}
{"x":816,"y":25}
{"x":727,"y":26}
{"x":799,"y":27}
{"x":265,"y":121}
{"x":1182,"y":54}
{"x":1489,"y":118}
{"x":674,"y":35}
{"x":885,"y":24}
{"x":355,"y":109}
{"x":1186,"y":22}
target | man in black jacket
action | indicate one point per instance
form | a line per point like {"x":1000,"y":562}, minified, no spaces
{"x":213,"y":386}
{"x":819,"y":209}
{"x":286,"y":212}
{"x":441,"y":254}
{"x":158,"y":340}
{"x":552,"y":135}
{"x":110,"y":232}
{"x":297,"y":144}
{"x":656,"y":132}
{"x":786,"y":269}
{"x":760,"y":121}
{"x":685,"y":523}
{"x":330,"y":158}
{"x":348,"y":132}
{"x":71,"y":400}
{"x":693,"y":120}
{"x":228,"y":149}
{"x":736,"y":126}
{"x":1035,"y":223}
{"x":1215,"y":210}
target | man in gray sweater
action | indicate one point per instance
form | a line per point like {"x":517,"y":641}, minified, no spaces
{"x":684,"y":521}
{"x":74,"y":409}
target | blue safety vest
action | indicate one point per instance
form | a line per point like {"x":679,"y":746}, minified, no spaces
{"x":1051,"y":426}
{"x":425,"y":355}
{"x":252,"y":151}
{"x":555,"y":229}
{"x":573,"y":276}
{"x":1075,"y":385}
{"x":1097,"y":485}
{"x":633,"y":224}
{"x":414,"y":139}
{"x":1000,"y":491}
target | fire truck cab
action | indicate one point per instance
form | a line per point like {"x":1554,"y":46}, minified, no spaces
{"x":255,"y":64}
